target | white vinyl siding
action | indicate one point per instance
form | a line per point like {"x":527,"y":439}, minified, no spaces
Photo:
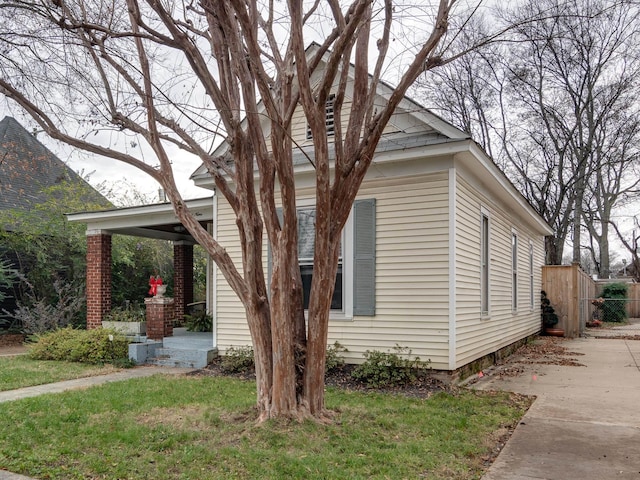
{"x":230,"y":316}
{"x":411,"y":293}
{"x":412,"y":273}
{"x":477,"y":336}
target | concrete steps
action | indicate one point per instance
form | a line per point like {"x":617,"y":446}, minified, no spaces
{"x":182,"y":357}
{"x":184,"y":350}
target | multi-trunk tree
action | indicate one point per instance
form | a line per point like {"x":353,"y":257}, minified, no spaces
{"x":162,"y":75}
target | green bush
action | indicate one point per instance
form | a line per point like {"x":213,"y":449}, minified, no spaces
{"x":238,"y":360}
{"x":384,"y":369}
{"x":199,"y":322}
{"x":334,"y":359}
{"x":132,"y":312}
{"x":84,"y":346}
{"x":613,"y":309}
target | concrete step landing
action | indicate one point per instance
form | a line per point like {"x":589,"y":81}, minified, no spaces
{"x":182,"y":358}
{"x":184,"y":349}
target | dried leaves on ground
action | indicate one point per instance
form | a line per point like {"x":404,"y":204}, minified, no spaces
{"x":544,"y":351}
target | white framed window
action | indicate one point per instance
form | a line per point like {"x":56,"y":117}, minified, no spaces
{"x":514,"y":270}
{"x":532,"y":298}
{"x":306,"y":244}
{"x":484,"y":263}
{"x":354,"y":292}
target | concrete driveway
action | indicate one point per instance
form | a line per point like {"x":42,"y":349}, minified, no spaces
{"x":585,"y":422}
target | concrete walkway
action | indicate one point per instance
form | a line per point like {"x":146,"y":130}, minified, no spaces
{"x":137,"y":372}
{"x":585,"y":422}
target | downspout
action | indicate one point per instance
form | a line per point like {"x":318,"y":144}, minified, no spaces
{"x":452,"y":268}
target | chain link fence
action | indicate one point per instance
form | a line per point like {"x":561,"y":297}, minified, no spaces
{"x":594,"y":310}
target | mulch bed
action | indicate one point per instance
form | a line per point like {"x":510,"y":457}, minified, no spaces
{"x":424,"y":387}
{"x":11,"y":339}
{"x":544,"y":351}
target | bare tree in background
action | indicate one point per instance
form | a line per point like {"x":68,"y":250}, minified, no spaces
{"x":178,"y":74}
{"x":562,"y":115}
{"x":632,"y":245}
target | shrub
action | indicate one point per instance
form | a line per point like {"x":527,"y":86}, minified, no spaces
{"x":8,"y":276}
{"x":613,"y":309}
{"x":128,"y":313}
{"x":384,"y":369}
{"x":85,"y":346}
{"x":334,"y":359}
{"x":199,"y":322}
{"x":238,"y":360}
{"x":39,"y":315}
{"x":549,"y":315}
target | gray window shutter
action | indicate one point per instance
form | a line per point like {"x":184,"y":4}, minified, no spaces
{"x":364,"y":275}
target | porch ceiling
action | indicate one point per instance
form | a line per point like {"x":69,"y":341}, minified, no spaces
{"x":157,"y":221}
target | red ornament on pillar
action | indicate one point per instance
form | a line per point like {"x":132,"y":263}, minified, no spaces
{"x":153,"y":283}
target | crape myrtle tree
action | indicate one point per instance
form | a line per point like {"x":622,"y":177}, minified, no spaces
{"x":178,"y":74}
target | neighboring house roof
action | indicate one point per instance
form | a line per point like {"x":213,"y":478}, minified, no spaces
{"x":28,"y":168}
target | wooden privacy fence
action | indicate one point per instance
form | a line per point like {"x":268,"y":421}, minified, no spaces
{"x":633,"y":305}
{"x":572,"y":291}
{"x":567,"y":286}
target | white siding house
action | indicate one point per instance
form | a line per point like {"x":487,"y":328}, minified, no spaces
{"x":430,"y":193}
{"x":441,"y":253}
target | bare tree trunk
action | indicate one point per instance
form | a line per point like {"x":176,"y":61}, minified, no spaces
{"x":285,"y":402}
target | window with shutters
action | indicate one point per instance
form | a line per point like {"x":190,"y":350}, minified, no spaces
{"x":306,"y":244}
{"x":354,"y":292}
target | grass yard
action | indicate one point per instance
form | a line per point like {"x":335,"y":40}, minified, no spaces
{"x":20,"y":371}
{"x":203,"y":427}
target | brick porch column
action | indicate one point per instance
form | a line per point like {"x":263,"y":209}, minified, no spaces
{"x":160,"y":316}
{"x":182,"y":277}
{"x":98,"y":277}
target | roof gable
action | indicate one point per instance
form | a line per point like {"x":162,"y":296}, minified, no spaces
{"x":411,"y":125}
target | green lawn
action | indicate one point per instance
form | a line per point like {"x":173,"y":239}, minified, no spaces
{"x":204,"y":428}
{"x":20,"y":371}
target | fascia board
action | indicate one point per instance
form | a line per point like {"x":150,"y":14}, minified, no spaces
{"x":140,"y":216}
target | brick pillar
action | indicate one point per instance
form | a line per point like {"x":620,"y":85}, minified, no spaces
{"x":182,"y":277}
{"x":98,"y":277}
{"x":160,"y":316}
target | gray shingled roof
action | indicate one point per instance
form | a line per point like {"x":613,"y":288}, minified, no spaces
{"x":386,"y":144}
{"x":27,"y":167}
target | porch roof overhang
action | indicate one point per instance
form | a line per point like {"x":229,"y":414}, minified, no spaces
{"x":157,"y":221}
